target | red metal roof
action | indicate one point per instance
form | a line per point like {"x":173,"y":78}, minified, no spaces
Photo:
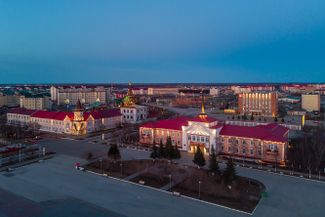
{"x":205,"y":119}
{"x":107,"y":113}
{"x":52,"y":115}
{"x":171,"y":124}
{"x":271,"y":132}
{"x":21,"y":111}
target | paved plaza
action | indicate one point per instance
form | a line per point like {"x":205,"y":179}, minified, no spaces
{"x":55,"y":188}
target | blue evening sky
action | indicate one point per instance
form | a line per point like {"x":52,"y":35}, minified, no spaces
{"x":162,"y":41}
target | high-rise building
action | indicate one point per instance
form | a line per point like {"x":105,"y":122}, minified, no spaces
{"x":10,"y":100}
{"x":37,"y":102}
{"x":310,"y":102}
{"x":258,"y":103}
{"x":71,"y":94}
{"x":163,"y":91}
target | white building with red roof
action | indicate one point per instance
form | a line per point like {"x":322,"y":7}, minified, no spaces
{"x":77,"y":122}
{"x":266,"y":143}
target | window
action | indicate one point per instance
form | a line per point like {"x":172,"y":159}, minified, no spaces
{"x":244,"y":151}
{"x":273,"y":147}
{"x":188,"y":137}
{"x":207,"y":139}
{"x":202,"y":139}
{"x":193,"y":138}
{"x":252,"y":151}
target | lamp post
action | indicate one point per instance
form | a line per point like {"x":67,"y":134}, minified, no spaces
{"x":101,"y":165}
{"x":121,"y":165}
{"x":170,"y":182}
{"x":200,"y":189}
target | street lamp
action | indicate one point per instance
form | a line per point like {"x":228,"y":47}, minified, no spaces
{"x":101,"y":164}
{"x":121,"y":165}
{"x":200,"y":189}
{"x":170,"y":182}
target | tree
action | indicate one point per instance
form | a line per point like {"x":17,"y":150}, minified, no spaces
{"x":233,"y":117}
{"x":282,"y":120}
{"x":252,"y":117}
{"x":230,"y":173}
{"x":275,"y":119}
{"x":198,"y":157}
{"x":154,"y":154}
{"x":114,"y":152}
{"x":213,"y":163}
{"x":169,"y":148}
{"x":161,"y":150}
{"x":176,"y":152}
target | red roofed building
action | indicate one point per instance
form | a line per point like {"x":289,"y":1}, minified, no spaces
{"x":263,"y":142}
{"x":77,"y":122}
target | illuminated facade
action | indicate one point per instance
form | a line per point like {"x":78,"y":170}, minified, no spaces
{"x":258,"y":103}
{"x":76,"y":123}
{"x":265,"y":142}
{"x":132,"y":113}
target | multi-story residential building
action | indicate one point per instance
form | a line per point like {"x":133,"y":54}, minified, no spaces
{"x":214,"y":91}
{"x":76,"y":123}
{"x":163,"y":91}
{"x":258,"y":103}
{"x":10,"y":100}
{"x":300,"y":88}
{"x":71,"y":94}
{"x":290,"y":99}
{"x":140,"y":91}
{"x":266,"y":143}
{"x":36,"y":102}
{"x":310,"y":102}
{"x":251,"y":88}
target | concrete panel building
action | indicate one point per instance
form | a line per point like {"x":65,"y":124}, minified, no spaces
{"x":310,"y":102}
{"x":39,"y":102}
{"x":63,"y":95}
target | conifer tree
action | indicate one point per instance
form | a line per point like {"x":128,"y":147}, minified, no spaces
{"x":161,"y":150}
{"x":213,"y":163}
{"x":229,"y":173}
{"x":154,"y":152}
{"x":198,"y":157}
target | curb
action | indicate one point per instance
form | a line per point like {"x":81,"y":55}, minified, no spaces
{"x":279,"y":174}
{"x":171,"y":193}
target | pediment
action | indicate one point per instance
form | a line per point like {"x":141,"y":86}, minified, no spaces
{"x":198,"y":129}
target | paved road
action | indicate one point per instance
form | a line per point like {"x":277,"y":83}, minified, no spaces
{"x":56,"y":180}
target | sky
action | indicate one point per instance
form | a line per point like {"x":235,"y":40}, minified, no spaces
{"x":145,"y":41}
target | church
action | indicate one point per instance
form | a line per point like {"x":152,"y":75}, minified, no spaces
{"x":267,"y":143}
{"x":130,"y":111}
